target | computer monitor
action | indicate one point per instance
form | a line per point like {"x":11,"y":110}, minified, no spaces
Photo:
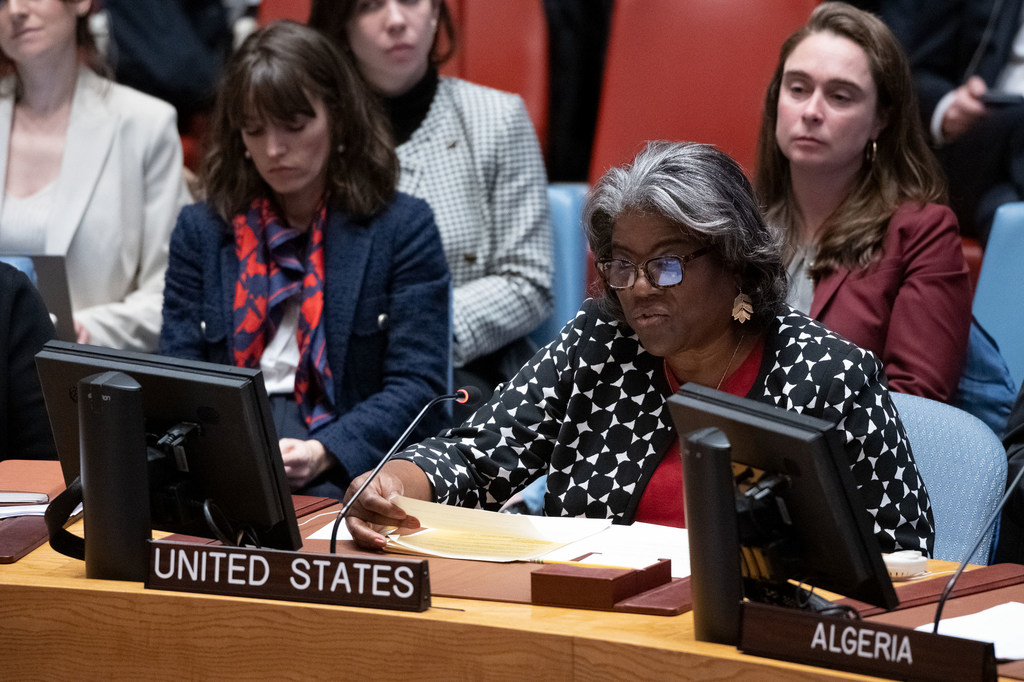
{"x":770,"y":495}
{"x":219,"y":442}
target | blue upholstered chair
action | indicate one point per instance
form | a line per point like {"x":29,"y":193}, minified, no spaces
{"x":570,"y":253}
{"x":963,"y":465}
{"x":1000,"y":285}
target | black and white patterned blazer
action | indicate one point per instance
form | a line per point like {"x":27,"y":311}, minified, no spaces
{"x":589,"y":410}
{"x":476,"y":160}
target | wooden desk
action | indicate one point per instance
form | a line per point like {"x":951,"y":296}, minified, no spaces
{"x":56,"y":624}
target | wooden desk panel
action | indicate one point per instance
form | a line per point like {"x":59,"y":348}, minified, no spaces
{"x":56,"y":624}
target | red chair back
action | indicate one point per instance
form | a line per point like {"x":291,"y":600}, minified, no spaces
{"x":693,"y":70}
{"x":296,"y":10}
{"x":973,"y":254}
{"x":503,"y":44}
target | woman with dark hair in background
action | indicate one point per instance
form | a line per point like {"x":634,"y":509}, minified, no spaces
{"x":472,"y":154}
{"x":843,"y":167}
{"x":305,"y":262}
{"x":694,"y":292}
{"x":89,"y":168}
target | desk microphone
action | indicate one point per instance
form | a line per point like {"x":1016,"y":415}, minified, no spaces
{"x":467,"y":395}
{"x":963,"y":564}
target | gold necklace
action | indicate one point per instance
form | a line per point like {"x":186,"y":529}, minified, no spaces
{"x":734,"y":352}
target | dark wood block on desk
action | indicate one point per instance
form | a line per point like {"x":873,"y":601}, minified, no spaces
{"x":590,"y":587}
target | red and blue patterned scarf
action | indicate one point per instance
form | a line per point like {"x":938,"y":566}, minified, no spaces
{"x":273,"y":266}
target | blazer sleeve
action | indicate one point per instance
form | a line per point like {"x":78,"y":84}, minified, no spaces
{"x":186,"y":309}
{"x":515,"y":295}
{"x":26,"y":326}
{"x":416,"y":353}
{"x":878,"y":452}
{"x":134,"y":322}
{"x":926,"y":343}
{"x":510,"y":440}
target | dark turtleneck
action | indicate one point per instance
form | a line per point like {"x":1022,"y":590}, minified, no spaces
{"x":407,"y":111}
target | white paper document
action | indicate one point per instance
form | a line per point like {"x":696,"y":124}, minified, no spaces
{"x":461,"y":533}
{"x":1002,"y":625}
{"x":12,"y":510}
{"x":640,"y":544}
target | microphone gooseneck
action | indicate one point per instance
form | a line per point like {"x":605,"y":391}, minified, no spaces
{"x":467,"y":395}
{"x":963,"y":564}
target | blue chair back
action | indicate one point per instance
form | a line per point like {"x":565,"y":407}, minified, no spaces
{"x":570,"y":254}
{"x":963,"y":465}
{"x":999,"y":286}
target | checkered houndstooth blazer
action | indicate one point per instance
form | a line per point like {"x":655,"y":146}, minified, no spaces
{"x":476,"y":160}
{"x":589,"y":410}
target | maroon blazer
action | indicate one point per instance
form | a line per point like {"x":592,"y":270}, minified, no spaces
{"x":912,"y":308}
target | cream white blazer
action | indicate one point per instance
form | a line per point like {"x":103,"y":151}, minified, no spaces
{"x":115,"y":203}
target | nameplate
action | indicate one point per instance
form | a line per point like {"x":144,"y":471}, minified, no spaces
{"x":862,"y":646}
{"x":346,"y":580}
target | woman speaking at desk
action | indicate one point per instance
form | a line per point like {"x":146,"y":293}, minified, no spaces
{"x":694,"y":292}
{"x":305,"y":262}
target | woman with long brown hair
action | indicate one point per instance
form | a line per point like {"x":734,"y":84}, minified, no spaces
{"x":843,"y":167}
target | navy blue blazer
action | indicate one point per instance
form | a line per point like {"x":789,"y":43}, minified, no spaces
{"x":385,"y":306}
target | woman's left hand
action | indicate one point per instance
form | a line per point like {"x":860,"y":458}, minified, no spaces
{"x":82,"y":334}
{"x":304,"y":460}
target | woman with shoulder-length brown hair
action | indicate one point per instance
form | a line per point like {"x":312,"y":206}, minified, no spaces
{"x":844,"y":168}
{"x":304,"y":260}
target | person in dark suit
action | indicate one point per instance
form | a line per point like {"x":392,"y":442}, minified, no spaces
{"x":844,"y":169}
{"x":24,"y":327}
{"x":306,"y":262}
{"x":959,"y":51}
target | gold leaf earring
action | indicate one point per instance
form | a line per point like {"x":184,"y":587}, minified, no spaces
{"x":742,"y":308}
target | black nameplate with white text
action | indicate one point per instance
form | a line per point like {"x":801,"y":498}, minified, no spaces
{"x":862,"y":646}
{"x":346,"y":580}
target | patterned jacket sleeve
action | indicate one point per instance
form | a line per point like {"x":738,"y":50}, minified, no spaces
{"x":509,"y":441}
{"x":514,"y":295}
{"x":878,"y":452}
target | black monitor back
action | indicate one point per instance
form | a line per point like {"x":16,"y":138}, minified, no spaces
{"x":235,"y":460}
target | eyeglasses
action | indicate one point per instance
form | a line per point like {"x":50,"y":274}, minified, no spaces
{"x":662,"y":272}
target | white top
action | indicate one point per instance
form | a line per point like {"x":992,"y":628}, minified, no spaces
{"x":281,"y":356}
{"x":23,"y":222}
{"x":801,"y":287}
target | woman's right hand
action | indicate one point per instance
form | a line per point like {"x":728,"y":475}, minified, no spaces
{"x":374,"y":512}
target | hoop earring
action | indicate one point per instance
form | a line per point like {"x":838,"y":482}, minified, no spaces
{"x":742,"y":307}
